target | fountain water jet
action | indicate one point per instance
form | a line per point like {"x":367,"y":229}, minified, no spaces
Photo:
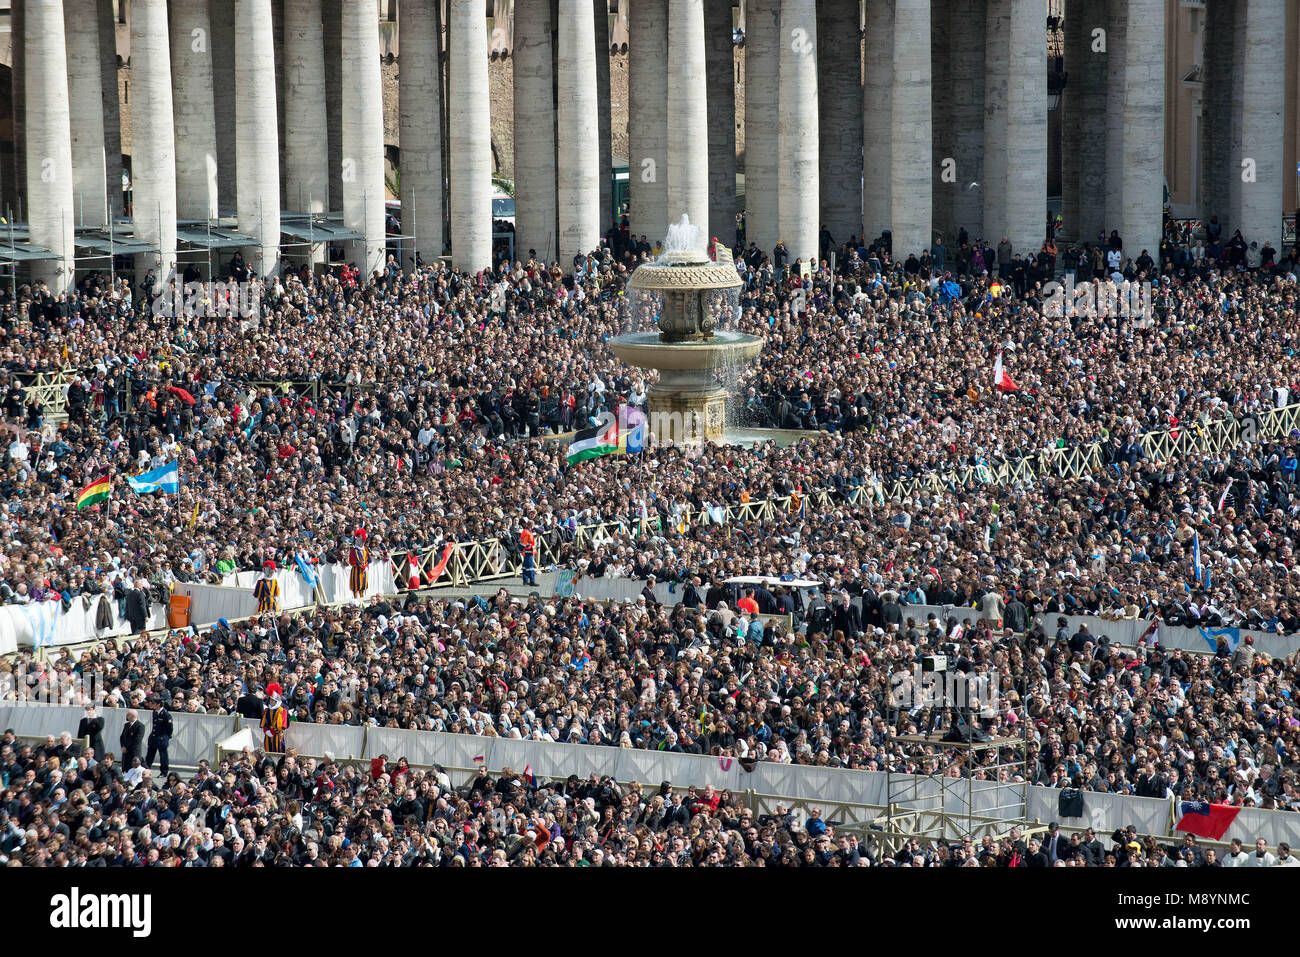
{"x":689,"y":295}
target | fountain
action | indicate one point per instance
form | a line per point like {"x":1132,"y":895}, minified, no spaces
{"x":688,"y":296}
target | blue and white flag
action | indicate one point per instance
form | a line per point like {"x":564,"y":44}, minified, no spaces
{"x":165,"y":479}
{"x":1196,"y":556}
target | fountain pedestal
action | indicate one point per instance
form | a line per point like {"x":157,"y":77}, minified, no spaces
{"x":688,"y":408}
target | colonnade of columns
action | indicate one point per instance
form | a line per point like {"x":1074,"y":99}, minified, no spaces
{"x":913,"y":116}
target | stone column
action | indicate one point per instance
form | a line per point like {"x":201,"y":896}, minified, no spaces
{"x":762,"y":86}
{"x":966,"y":43}
{"x":257,"y":149}
{"x":647,"y":126}
{"x":534,"y":106}
{"x":1077,"y":43}
{"x":1142,"y":223}
{"x":1085,"y":106}
{"x":331,"y":25}
{"x":1116,"y":34}
{"x":195,"y":116}
{"x":112,"y":120}
{"x":306,"y":157}
{"x":877,"y":119}
{"x":1263,"y":44}
{"x":720,"y":80}
{"x":688,"y":121}
{"x":1027,"y":128}
{"x":153,"y":140}
{"x":420,"y":118}
{"x":604,"y":122}
{"x":49,"y":143}
{"x":363,"y":135}
{"x":470,"y":137}
{"x":277,"y":45}
{"x":911,"y":199}
{"x":997,"y":51}
{"x":1216,"y":117}
{"x":222,"y":15}
{"x":86,"y":120}
{"x":944,"y":133}
{"x":798,"y":196}
{"x":839,"y":74}
{"x":577,"y":132}
{"x":18,"y":74}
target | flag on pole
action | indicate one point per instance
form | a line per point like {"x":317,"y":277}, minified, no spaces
{"x":94,"y":493}
{"x":594,"y":442}
{"x":1196,"y":556}
{"x":632,"y":436}
{"x":195,"y":517}
{"x":165,"y":478}
{"x":1001,"y":381}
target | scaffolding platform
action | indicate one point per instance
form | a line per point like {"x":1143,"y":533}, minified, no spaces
{"x":943,"y":806}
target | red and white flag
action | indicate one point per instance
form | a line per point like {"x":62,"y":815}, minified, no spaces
{"x":1001,"y":381}
{"x":1224,"y":497}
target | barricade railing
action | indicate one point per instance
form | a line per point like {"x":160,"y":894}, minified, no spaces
{"x":489,"y":560}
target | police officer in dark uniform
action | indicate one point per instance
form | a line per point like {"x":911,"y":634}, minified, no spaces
{"x":160,"y":736}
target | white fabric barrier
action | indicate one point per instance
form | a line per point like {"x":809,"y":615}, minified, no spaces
{"x":233,"y":598}
{"x":46,"y":624}
{"x":334,"y":581}
{"x":208,"y":603}
{"x":1106,"y":812}
{"x":1126,"y":632}
{"x":340,"y":740}
{"x":1273,"y":826}
{"x":195,"y":736}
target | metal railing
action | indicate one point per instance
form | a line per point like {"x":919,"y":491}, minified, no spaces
{"x":491,"y":560}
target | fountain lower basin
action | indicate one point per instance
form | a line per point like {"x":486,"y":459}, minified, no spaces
{"x":687,"y":407}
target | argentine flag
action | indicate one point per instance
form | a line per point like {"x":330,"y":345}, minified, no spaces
{"x":165,"y":479}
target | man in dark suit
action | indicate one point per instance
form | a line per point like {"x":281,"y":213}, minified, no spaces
{"x":1036,"y":857}
{"x":250,"y":704}
{"x":1055,"y":844}
{"x":648,"y":592}
{"x":160,"y":736}
{"x":691,"y":595}
{"x":845,"y":616}
{"x":1093,"y":849}
{"x":92,"y":726}
{"x":132,"y":738}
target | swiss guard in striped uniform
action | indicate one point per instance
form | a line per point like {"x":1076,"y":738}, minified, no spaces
{"x":275,"y":720}
{"x":359,"y":563}
{"x":267,"y":590}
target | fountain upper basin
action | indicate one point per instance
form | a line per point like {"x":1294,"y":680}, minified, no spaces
{"x":646,"y":350}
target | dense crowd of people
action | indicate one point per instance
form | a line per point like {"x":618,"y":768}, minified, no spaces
{"x":255,"y":811}
{"x":418,"y":406}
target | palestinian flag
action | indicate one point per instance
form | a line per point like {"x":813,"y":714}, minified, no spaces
{"x":594,"y":442}
{"x":94,"y":493}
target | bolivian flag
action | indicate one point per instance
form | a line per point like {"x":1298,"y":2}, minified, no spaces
{"x":594,"y":442}
{"x":94,"y":493}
